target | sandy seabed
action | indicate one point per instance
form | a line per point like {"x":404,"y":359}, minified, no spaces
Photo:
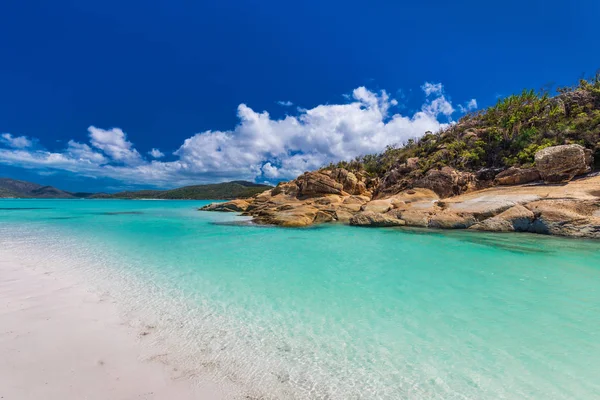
{"x":59,"y":340}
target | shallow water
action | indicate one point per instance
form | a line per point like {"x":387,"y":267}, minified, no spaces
{"x":335,"y":312}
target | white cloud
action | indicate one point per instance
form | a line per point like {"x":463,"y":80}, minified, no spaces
{"x":469,"y":106}
{"x":270,"y":171}
{"x":285,"y":103}
{"x":17,"y":142}
{"x":156,"y":153}
{"x":114,"y":143}
{"x":83,"y":152}
{"x":432,"y":88}
{"x":258,"y":148}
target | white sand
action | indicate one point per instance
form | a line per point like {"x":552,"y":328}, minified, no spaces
{"x":60,"y":341}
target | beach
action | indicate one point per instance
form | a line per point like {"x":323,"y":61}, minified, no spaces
{"x":116,"y":299}
{"x":59,"y":340}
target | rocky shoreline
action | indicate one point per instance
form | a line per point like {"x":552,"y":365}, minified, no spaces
{"x":560,"y":196}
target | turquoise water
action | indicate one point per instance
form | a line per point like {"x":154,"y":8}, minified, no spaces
{"x":336,"y":312}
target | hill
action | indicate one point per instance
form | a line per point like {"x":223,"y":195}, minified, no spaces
{"x":505,"y":135}
{"x":217,"y":191}
{"x":23,"y":189}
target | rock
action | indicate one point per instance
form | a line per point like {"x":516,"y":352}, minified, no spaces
{"x":298,"y":216}
{"x":411,"y":198}
{"x":572,"y":209}
{"x":576,"y":218}
{"x":517,"y":218}
{"x":517,"y":176}
{"x":323,"y":216}
{"x":373,"y":219}
{"x":313,"y":184}
{"x":562,"y":163}
{"x":446,"y":182}
{"x":412,"y":163}
{"x":230,"y":206}
{"x":349,"y":181}
{"x":482,"y":205}
{"x":378,"y":206}
{"x":451,"y":220}
{"x":289,"y":188}
{"x":351,"y":207}
{"x":356,"y":199}
{"x":392,"y":177}
{"x":415,"y":217}
{"x":329,"y":199}
{"x":487,"y":174}
{"x":441,"y":182}
{"x":343,"y":216}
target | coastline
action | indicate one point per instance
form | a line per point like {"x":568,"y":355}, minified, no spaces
{"x":60,"y":340}
{"x":570,"y":209}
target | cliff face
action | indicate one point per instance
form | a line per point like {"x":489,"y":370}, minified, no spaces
{"x":444,"y":198}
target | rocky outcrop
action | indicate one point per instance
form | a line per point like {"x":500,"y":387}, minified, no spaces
{"x":517,"y":176}
{"x":572,"y":209}
{"x":349,"y":181}
{"x":451,"y":220}
{"x":374,"y":219}
{"x":446,"y":182}
{"x":378,"y":206}
{"x":229,"y":206}
{"x":566,"y":217}
{"x":317,"y":184}
{"x":517,"y":218}
{"x":558,"y":164}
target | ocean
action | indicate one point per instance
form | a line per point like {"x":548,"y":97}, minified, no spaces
{"x":333,"y":312}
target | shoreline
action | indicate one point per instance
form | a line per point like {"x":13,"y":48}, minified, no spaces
{"x":568,"y":209}
{"x":60,"y":340}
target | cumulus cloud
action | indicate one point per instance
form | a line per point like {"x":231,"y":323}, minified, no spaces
{"x":259,"y":148}
{"x":156,"y":153}
{"x":285,"y":103}
{"x":114,"y":144}
{"x":17,"y":142}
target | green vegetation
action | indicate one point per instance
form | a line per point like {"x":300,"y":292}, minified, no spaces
{"x":506,"y":134}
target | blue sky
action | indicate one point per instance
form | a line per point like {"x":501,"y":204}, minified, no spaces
{"x":259,"y":90}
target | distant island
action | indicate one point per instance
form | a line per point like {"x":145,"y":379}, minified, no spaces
{"x":12,"y":188}
{"x":525,"y":164}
